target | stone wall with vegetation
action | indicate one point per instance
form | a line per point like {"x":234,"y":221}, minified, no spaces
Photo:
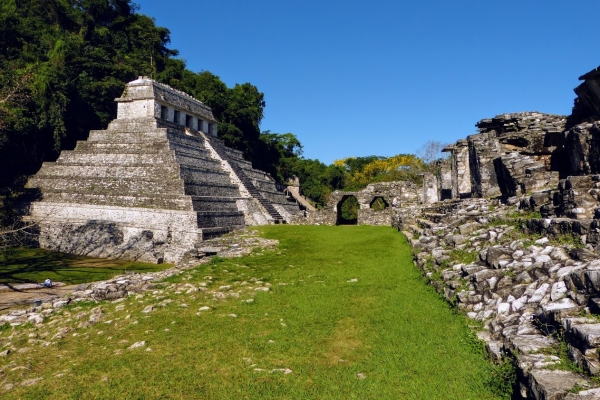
{"x":520,"y":257}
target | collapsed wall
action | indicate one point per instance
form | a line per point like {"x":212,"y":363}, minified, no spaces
{"x":388,"y":194}
{"x":511,"y":155}
{"x":152,"y":185}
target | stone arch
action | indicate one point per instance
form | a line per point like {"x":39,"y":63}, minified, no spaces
{"x":347,"y":210}
{"x":378,"y":203}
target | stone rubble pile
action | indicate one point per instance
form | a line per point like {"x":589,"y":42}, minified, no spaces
{"x":530,"y":295}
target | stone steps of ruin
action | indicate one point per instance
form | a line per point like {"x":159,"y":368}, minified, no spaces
{"x":157,"y":146}
{"x":106,"y":186}
{"x":192,"y":175}
{"x":169,"y":202}
{"x":434,"y":217}
{"x":425,"y":223}
{"x":111,"y":171}
{"x":214,"y":203}
{"x":259,"y":187}
{"x":211,"y":189}
{"x":524,"y":295}
{"x":214,"y":219}
{"x":211,"y":233}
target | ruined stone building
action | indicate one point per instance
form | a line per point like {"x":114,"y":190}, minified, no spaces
{"x":152,"y":185}
{"x":406,"y":194}
{"x":520,"y":153}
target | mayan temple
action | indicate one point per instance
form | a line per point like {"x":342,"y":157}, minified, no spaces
{"x":152,"y":185}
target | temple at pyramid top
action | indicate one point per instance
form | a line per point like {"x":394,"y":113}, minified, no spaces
{"x":145,"y":97}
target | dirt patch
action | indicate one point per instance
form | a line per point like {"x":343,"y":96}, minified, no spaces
{"x":20,"y":298}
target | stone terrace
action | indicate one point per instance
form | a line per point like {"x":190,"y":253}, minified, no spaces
{"x":152,"y":185}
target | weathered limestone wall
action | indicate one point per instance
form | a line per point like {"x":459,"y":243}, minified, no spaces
{"x":405,"y":193}
{"x":430,"y":188}
{"x":444,"y":179}
{"x":528,"y":295}
{"x":532,"y":282}
{"x":483,"y":148}
{"x":459,"y":169}
{"x":512,"y":154}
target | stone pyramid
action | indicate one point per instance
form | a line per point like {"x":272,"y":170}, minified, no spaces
{"x":152,"y":185}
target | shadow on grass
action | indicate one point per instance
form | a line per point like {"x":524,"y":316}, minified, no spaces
{"x":34,"y":265}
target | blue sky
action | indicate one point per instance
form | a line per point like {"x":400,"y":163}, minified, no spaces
{"x":358,"y":78}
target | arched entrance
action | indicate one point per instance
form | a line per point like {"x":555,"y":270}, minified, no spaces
{"x":378,"y":204}
{"x":347,"y":211}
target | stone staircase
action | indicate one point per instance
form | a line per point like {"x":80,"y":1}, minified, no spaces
{"x":530,"y":298}
{"x":257,"y":183}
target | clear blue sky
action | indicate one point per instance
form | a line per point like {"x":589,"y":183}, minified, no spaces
{"x":358,"y":78}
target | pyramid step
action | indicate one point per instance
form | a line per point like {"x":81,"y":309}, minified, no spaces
{"x":183,"y":203}
{"x":108,"y":186}
{"x":241,"y":163}
{"x":115,"y":148}
{"x":212,"y":203}
{"x":185,"y":140}
{"x":193,"y":175}
{"x":189,"y":150}
{"x":136,"y":124}
{"x":210,"y":233}
{"x":208,"y":219}
{"x":142,"y":171}
{"x":208,"y":189}
{"x":197,"y":161}
{"x":123,"y":159}
{"x":128,"y":137}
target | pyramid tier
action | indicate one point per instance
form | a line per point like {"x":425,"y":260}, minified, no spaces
{"x":210,"y":219}
{"x":214,"y":203}
{"x":211,"y":189}
{"x":109,"y":187}
{"x":169,"y":202}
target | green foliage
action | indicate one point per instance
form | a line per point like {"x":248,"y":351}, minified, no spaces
{"x":69,"y":59}
{"x":360,"y":171}
{"x":317,"y":180}
{"x":379,"y":204}
{"x":571,"y":240}
{"x":216,"y":260}
{"x":349,"y":210}
{"x":503,"y":379}
{"x":463,"y":257}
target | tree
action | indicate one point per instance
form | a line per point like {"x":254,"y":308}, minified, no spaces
{"x":430,"y":152}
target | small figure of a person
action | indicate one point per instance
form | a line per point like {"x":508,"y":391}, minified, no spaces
{"x":48,"y":283}
{"x":395,"y":202}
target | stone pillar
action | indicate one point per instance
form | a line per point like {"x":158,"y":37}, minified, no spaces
{"x":430,"y":188}
{"x":460,"y":170}
{"x":444,"y":179}
{"x":483,"y":149}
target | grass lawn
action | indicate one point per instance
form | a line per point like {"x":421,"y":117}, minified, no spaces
{"x":347,"y":316}
{"x":35,"y":265}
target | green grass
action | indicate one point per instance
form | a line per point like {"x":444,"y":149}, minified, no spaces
{"x":386,"y":335}
{"x":35,"y":265}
